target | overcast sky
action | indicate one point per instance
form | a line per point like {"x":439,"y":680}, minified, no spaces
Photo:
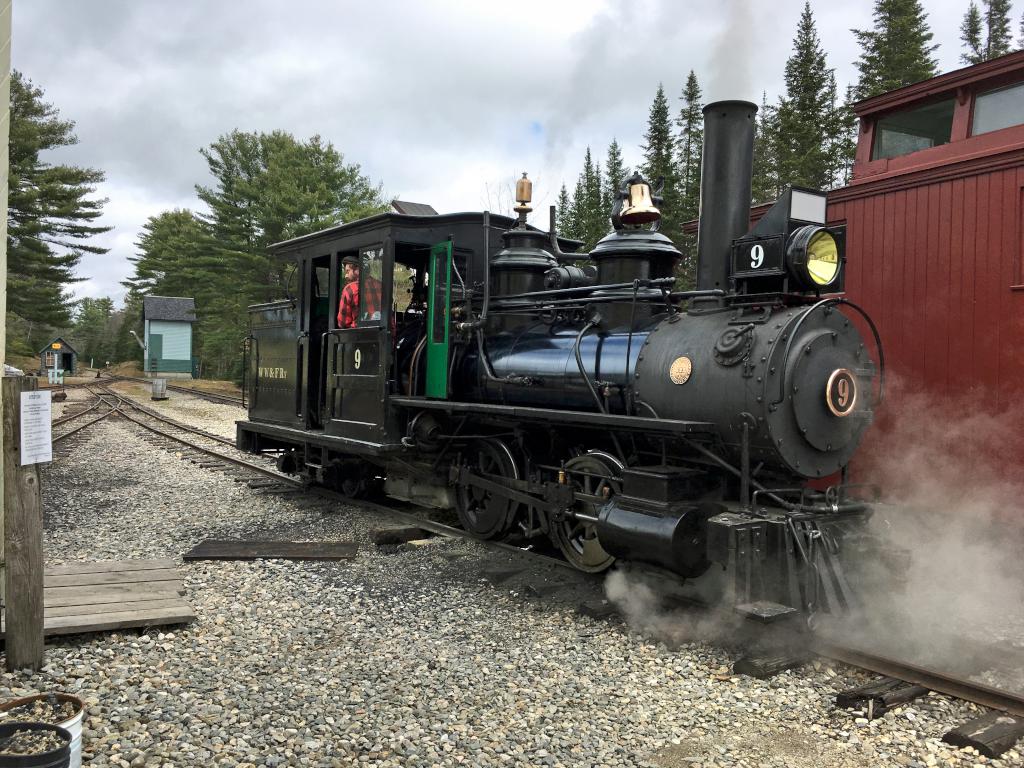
{"x":442,"y":101}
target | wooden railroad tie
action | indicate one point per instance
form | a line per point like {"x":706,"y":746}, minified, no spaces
{"x":992,"y":734}
{"x":237,"y":549}
{"x":384,"y":537}
{"x":878,"y":697}
{"x":768,"y":663}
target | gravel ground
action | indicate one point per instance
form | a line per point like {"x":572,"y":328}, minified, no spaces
{"x":405,"y":656}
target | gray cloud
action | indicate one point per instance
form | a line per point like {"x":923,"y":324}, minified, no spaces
{"x":440,"y":101}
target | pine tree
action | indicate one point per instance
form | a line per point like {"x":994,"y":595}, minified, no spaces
{"x":897,"y":51}
{"x":844,"y":139}
{"x":689,"y":149}
{"x":689,"y":146}
{"x":589,"y":218}
{"x":970,"y":36}
{"x":997,"y":27}
{"x":92,"y":330}
{"x":765,"y":185}
{"x":614,"y":175}
{"x":50,"y":211}
{"x":562,"y":212}
{"x":806,"y":114}
{"x":659,"y":163}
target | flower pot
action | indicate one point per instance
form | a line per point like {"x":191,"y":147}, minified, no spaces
{"x":72,"y":724}
{"x":59,"y":757}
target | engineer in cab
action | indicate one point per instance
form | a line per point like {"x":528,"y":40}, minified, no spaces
{"x":348,"y":306}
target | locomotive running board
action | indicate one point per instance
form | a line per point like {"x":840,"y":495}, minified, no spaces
{"x":582,"y":418}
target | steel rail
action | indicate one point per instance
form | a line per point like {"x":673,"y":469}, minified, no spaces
{"x":213,"y":396}
{"x":126,"y":401}
{"x":80,"y":427}
{"x":934,"y":680}
{"x":79,"y":414}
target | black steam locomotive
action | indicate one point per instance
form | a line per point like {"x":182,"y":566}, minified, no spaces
{"x":543,"y":393}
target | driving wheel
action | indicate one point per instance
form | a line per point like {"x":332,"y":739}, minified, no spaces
{"x":593,"y":478}
{"x":482,"y":512}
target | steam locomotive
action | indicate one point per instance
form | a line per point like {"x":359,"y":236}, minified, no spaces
{"x":544,"y":393}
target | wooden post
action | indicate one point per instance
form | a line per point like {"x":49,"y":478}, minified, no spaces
{"x":23,"y":524}
{"x":5,"y":132}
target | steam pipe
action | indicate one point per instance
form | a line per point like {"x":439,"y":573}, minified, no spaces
{"x":553,"y":238}
{"x":473,"y":325}
{"x":725,"y":180}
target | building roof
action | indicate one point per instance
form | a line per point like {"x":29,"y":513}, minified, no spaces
{"x":1011,"y":65}
{"x":54,"y":341}
{"x":412,"y":209}
{"x":169,"y":308}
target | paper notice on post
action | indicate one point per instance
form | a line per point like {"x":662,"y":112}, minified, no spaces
{"x":36,"y":434}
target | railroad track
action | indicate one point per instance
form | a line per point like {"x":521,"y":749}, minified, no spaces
{"x":219,"y":453}
{"x":216,"y":397}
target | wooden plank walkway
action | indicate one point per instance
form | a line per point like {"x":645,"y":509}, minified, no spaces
{"x":112,"y":594}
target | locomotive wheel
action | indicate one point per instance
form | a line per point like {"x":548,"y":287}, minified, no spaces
{"x":482,"y":513}
{"x":350,"y":478}
{"x":591,"y":474}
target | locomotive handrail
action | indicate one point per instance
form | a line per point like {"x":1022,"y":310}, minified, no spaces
{"x":657,"y":282}
{"x":819,"y":305}
{"x":256,"y":378}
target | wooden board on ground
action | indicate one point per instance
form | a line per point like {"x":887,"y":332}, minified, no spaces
{"x":991,"y":734}
{"x":237,"y":549}
{"x":112,"y":594}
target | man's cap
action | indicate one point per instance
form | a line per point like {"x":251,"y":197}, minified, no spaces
{"x":350,"y":259}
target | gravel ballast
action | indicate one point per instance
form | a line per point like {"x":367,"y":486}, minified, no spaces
{"x":405,"y":656}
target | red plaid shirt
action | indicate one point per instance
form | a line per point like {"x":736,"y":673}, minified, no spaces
{"x":348,"y":307}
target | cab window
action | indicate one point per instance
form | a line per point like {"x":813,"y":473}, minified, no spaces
{"x":371,"y":261}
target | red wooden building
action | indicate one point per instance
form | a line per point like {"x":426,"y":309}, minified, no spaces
{"x":935,"y":232}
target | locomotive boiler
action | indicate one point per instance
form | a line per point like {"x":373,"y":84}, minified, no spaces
{"x":545,"y":394}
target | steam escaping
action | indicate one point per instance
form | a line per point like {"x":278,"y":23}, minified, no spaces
{"x":653,"y":607}
{"x":729,"y":62}
{"x":950,"y":474}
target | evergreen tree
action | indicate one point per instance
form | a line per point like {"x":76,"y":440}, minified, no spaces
{"x":50,"y":211}
{"x":589,"y":219}
{"x":659,"y":163}
{"x":563,"y":212}
{"x":690,"y":145}
{"x":897,"y":51}
{"x":970,"y":36}
{"x":92,"y":331}
{"x":615,"y":174}
{"x":844,"y":141}
{"x":807,"y":120}
{"x":1020,"y":40}
{"x":689,"y":150}
{"x":997,"y":27}
{"x":765,"y":184}
{"x":268,"y":188}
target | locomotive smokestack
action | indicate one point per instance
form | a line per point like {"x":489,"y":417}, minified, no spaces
{"x":726,"y":170}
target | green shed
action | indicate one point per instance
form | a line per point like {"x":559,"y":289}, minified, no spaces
{"x":167,"y":321}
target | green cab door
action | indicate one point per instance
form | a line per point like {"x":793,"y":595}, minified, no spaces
{"x":440,"y":273}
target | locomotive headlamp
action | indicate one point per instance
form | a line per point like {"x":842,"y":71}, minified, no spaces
{"x":814,"y":256}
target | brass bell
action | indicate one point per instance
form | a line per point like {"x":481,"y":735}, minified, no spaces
{"x":639,"y":207}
